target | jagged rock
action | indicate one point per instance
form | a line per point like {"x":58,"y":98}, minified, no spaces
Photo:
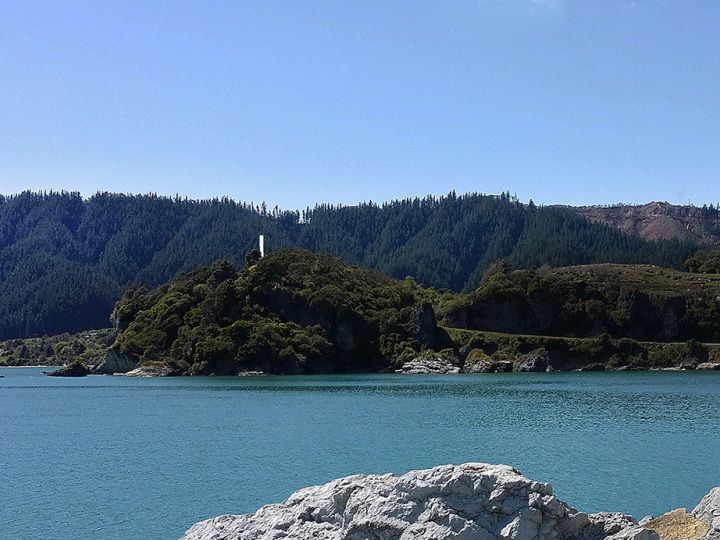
{"x":708,"y":366}
{"x":678,"y":525}
{"x":76,"y":369}
{"x":709,"y":511}
{"x":504,"y":366}
{"x":634,"y":533}
{"x":116,"y":362}
{"x":431,"y":362}
{"x":480,"y":366}
{"x":594,"y":367}
{"x":477,"y":361}
{"x":473,"y":501}
{"x":153,"y":370}
{"x":606,"y":524}
{"x":536,"y":360}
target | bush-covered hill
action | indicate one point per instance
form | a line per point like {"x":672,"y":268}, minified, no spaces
{"x":297,"y":311}
{"x":641,"y":302}
{"x":291,"y":312}
{"x":64,"y":261}
{"x":89,"y":347}
{"x":704,"y":262}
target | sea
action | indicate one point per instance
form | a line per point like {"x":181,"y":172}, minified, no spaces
{"x":106,"y":457}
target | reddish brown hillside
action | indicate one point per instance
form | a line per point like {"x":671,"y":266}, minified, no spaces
{"x":660,"y":220}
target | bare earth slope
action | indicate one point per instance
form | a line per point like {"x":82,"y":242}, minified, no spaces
{"x":659,"y":220}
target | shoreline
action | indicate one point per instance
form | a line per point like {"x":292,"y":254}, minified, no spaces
{"x":31,"y":366}
{"x":383,"y":373}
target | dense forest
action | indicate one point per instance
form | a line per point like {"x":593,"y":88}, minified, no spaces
{"x":65,"y":260}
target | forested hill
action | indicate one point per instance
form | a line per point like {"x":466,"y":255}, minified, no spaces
{"x":64,"y":260}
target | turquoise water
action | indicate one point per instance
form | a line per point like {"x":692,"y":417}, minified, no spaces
{"x":117,"y":458}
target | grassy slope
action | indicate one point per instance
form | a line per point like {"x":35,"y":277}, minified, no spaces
{"x":648,"y":278}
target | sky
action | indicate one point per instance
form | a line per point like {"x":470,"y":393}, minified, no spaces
{"x":293,"y":103}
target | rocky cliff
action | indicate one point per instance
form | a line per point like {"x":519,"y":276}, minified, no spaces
{"x":115,"y":362}
{"x":473,"y":501}
{"x":646,"y":303}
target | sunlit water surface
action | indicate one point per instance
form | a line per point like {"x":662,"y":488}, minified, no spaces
{"x":119,"y":458}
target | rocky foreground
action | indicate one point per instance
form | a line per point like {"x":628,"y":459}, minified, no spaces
{"x":473,"y":501}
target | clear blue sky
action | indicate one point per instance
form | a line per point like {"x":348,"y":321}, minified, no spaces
{"x":570,"y":101}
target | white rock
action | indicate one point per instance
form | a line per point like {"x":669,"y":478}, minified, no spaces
{"x":116,"y":362}
{"x":634,"y":533}
{"x":473,"y":501}
{"x":430,"y":362}
{"x":708,"y":366}
{"x":709,"y":511}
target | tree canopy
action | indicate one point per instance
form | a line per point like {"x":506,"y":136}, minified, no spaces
{"x":65,"y":260}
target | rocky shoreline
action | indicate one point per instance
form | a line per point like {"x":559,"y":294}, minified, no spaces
{"x":473,"y":501}
{"x":433,"y":362}
{"x":428,"y":363}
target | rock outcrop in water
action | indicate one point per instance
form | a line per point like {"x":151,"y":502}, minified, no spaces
{"x":153,"y":370}
{"x":534,"y":361}
{"x":116,"y":362}
{"x":432,"y":362}
{"x":74,"y":369}
{"x":473,"y":501}
{"x":708,"y":366}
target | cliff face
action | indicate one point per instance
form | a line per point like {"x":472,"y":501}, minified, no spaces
{"x":473,"y":501}
{"x":659,"y":221}
{"x":645,"y":303}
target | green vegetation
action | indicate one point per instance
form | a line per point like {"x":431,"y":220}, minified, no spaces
{"x":64,"y":261}
{"x":296,"y":311}
{"x":291,"y":312}
{"x":645,"y":303}
{"x":301,"y":312}
{"x":578,"y":353}
{"x":88,"y":347}
{"x":704,"y":262}
{"x":76,"y":368}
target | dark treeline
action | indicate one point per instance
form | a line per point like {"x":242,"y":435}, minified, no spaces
{"x":64,"y":261}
